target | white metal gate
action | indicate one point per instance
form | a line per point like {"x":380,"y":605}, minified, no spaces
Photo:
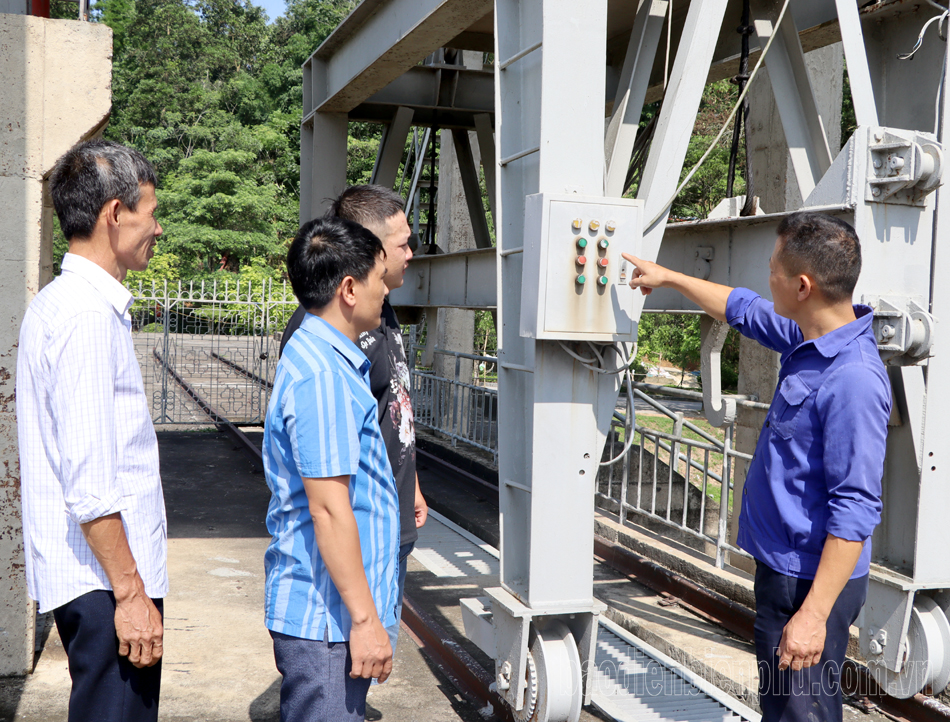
{"x":211,"y":342}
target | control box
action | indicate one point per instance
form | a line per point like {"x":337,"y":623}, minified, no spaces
{"x":574,"y":280}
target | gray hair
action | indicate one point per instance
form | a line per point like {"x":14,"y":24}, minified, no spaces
{"x":91,"y":174}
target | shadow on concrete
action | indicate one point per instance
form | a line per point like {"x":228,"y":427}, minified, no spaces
{"x":266,"y":708}
{"x":211,"y":488}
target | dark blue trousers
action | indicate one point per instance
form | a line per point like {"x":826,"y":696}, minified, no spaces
{"x":316,"y":685}
{"x":812,"y":694}
{"x":106,"y":687}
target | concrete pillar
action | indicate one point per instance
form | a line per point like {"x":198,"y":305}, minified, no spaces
{"x":57,"y":91}
{"x":771,"y":165}
{"x":454,"y":327}
{"x":772,"y":171}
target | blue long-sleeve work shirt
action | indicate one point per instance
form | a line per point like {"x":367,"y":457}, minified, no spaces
{"x":820,"y":457}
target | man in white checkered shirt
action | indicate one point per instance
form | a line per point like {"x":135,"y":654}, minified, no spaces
{"x":93,"y":512}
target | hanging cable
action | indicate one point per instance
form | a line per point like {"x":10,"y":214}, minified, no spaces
{"x":942,"y":18}
{"x":745,"y":30}
{"x":722,"y":131}
{"x":630,"y":410}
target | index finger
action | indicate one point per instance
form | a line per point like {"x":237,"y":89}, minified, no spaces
{"x":632,"y":258}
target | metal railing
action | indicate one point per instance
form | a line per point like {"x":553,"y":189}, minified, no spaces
{"x":691,"y":494}
{"x":218,"y":338}
{"x":681,"y":479}
{"x":463,"y":407}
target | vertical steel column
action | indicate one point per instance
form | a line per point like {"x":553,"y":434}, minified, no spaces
{"x":551,"y":100}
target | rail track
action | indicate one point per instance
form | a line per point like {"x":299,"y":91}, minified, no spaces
{"x":475,"y":683}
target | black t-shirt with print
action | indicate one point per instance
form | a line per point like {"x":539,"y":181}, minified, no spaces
{"x":389,"y":382}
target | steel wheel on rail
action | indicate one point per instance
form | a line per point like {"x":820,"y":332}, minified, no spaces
{"x":554,"y":687}
{"x":927,"y":660}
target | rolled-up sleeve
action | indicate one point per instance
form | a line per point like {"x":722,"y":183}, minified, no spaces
{"x":854,"y":404}
{"x":82,"y":399}
{"x":754,"y":317}
{"x":323,"y":431}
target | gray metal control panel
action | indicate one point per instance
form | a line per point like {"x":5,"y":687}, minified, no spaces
{"x":574,"y":278}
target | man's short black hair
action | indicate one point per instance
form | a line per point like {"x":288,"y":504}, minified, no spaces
{"x":324,"y":252}
{"x":368,"y":205}
{"x":91,"y":174}
{"x":823,"y":247}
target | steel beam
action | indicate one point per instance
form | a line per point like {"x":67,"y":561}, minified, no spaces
{"x":418,"y":89}
{"x":465,"y":279}
{"x":379,"y":41}
{"x":468,"y":172}
{"x":859,"y":74}
{"x":486,"y":151}
{"x":391,"y":148}
{"x":631,"y":91}
{"x":322,"y":162}
{"x":741,"y":248}
{"x":677,"y":116}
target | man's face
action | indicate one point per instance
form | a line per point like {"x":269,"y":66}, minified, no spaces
{"x":395,"y":237}
{"x":370,"y":294}
{"x":784,"y":287}
{"x":138,"y":232}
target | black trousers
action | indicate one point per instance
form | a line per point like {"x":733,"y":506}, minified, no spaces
{"x":812,"y":694}
{"x":106,"y":687}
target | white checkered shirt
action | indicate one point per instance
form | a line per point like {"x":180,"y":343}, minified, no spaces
{"x":87,"y":445}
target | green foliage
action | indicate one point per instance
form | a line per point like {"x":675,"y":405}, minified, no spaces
{"x":212,"y":95}
{"x":675,"y":339}
{"x":486,"y":338}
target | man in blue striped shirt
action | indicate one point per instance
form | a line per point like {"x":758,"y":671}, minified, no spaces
{"x":331,"y":566}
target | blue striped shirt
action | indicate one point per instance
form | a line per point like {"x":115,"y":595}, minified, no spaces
{"x":322,"y":423}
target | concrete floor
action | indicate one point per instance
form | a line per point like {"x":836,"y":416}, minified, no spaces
{"x":219,"y":664}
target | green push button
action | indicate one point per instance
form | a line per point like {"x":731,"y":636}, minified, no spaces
{"x":602,"y":280}
{"x":582,"y":243}
{"x":604,"y":243}
{"x":582,"y":279}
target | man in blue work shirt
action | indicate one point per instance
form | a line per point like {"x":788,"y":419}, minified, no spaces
{"x":331,"y":567}
{"x":813,"y":491}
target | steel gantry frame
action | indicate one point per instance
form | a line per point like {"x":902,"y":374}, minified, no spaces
{"x":569,"y":84}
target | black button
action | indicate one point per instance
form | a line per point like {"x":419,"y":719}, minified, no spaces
{"x":768,"y":423}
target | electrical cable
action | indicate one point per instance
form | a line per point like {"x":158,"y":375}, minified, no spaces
{"x":598,"y":365}
{"x":597,"y":354}
{"x":745,"y":30}
{"x":920,"y":38}
{"x":628,"y":442}
{"x":722,"y":131}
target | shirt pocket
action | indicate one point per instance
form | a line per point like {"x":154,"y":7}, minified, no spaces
{"x":788,"y":409}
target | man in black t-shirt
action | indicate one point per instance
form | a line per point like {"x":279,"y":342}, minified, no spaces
{"x":381,"y":211}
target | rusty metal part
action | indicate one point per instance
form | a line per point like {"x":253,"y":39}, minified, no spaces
{"x":710,"y":605}
{"x":243,"y":371}
{"x":463,"y":670}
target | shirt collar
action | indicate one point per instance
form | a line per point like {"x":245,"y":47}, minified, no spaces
{"x":114,"y":292}
{"x":344,"y":346}
{"x":831,"y":343}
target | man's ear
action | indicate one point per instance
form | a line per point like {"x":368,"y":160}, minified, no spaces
{"x":806,"y":287}
{"x":347,"y":291}
{"x":110,"y":212}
